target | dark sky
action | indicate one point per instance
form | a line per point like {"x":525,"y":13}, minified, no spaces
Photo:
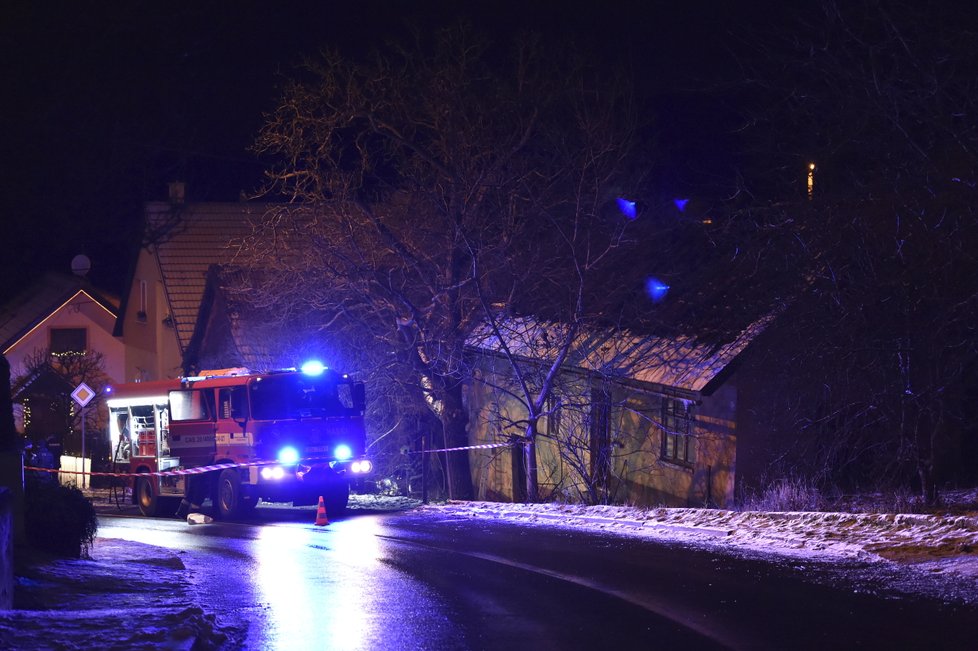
{"x":106,"y":102}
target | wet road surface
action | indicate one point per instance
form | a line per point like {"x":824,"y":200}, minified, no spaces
{"x":420,"y":581}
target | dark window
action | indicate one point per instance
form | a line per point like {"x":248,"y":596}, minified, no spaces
{"x":678,"y":445}
{"x":234,"y":403}
{"x":69,"y":340}
{"x":553,"y":417}
{"x":291,"y":396}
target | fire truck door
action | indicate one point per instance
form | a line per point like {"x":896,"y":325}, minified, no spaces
{"x":193,"y":425}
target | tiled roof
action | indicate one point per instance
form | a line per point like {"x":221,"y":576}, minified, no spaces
{"x":680,"y":362}
{"x":37,"y":302}
{"x":194,"y":237}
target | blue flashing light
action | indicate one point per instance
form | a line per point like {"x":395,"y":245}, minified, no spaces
{"x":656,"y":289}
{"x":342,"y":452}
{"x":680,"y":204}
{"x":288,"y":455}
{"x":627,"y":208}
{"x":313,"y":367}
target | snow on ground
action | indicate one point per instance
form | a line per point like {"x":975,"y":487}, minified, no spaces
{"x":120,"y":599}
{"x":125,"y":596}
{"x":943,"y":543}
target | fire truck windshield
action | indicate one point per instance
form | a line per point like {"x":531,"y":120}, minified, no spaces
{"x":279,"y":397}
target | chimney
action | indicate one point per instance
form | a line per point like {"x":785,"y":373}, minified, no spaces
{"x":178,"y":192}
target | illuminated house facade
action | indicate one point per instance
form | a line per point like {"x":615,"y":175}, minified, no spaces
{"x":58,"y":315}
{"x":634,"y":420}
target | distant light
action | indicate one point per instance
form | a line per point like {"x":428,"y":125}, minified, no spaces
{"x":626,"y":207}
{"x":342,"y":452}
{"x":656,"y":289}
{"x":108,"y":389}
{"x":680,"y":204}
{"x":313,"y":367}
{"x":288,"y":455}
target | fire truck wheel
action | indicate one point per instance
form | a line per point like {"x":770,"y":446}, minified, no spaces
{"x":146,"y":497}
{"x":228,"y":493}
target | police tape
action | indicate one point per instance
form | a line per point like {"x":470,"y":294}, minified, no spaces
{"x":169,"y":473}
{"x":224,"y":466}
{"x":482,"y":446}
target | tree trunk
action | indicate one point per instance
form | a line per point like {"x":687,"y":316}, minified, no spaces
{"x":530,"y":461}
{"x":454,"y":421}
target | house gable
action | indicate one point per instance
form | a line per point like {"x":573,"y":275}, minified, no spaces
{"x":66,"y":304}
{"x":182,"y":241}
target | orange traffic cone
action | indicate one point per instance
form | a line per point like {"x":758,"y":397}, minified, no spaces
{"x":321,"y":519}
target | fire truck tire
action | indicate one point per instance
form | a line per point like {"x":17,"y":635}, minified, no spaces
{"x":146,"y":498}
{"x":228,"y":500}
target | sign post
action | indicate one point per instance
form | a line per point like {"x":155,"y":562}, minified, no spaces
{"x":83,"y":394}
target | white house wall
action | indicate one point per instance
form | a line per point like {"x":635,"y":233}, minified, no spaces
{"x":153,"y":352}
{"x":81,"y":311}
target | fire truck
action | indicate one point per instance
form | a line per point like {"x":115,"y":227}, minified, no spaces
{"x":282,"y":436}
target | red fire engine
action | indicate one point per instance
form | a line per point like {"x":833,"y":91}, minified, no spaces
{"x":292,"y":435}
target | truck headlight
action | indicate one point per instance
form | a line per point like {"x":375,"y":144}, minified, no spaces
{"x":342,"y":452}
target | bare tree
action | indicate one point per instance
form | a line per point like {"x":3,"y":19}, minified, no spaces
{"x":48,"y":381}
{"x":420,"y":181}
{"x":881,"y":96}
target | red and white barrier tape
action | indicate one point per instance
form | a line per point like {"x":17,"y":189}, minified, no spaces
{"x":482,"y":446}
{"x":167,"y":473}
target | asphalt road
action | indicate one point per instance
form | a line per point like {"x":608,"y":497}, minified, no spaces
{"x":420,"y":581}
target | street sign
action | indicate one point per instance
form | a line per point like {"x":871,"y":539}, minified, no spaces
{"x":83,"y":394}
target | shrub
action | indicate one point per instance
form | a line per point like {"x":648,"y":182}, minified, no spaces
{"x":58,"y":519}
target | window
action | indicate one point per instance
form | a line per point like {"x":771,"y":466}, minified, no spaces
{"x":553,"y":416}
{"x":143,"y":301}
{"x":68,"y":340}
{"x":678,"y":445}
{"x":234,"y":403}
{"x":192,"y":404}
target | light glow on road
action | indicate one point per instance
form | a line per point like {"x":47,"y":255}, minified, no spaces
{"x":328,"y":602}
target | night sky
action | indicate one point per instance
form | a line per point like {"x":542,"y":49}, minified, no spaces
{"x":105,"y":103}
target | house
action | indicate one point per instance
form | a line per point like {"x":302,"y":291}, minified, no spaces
{"x":633,"y":419}
{"x":60,"y":315}
{"x":182,"y":240}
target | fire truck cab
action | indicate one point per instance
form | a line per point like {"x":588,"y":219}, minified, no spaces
{"x":292,"y":436}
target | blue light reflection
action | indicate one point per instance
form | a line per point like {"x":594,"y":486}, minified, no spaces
{"x":627,"y":208}
{"x":656,"y":289}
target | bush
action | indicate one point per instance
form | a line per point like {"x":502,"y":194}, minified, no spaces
{"x":58,"y":519}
